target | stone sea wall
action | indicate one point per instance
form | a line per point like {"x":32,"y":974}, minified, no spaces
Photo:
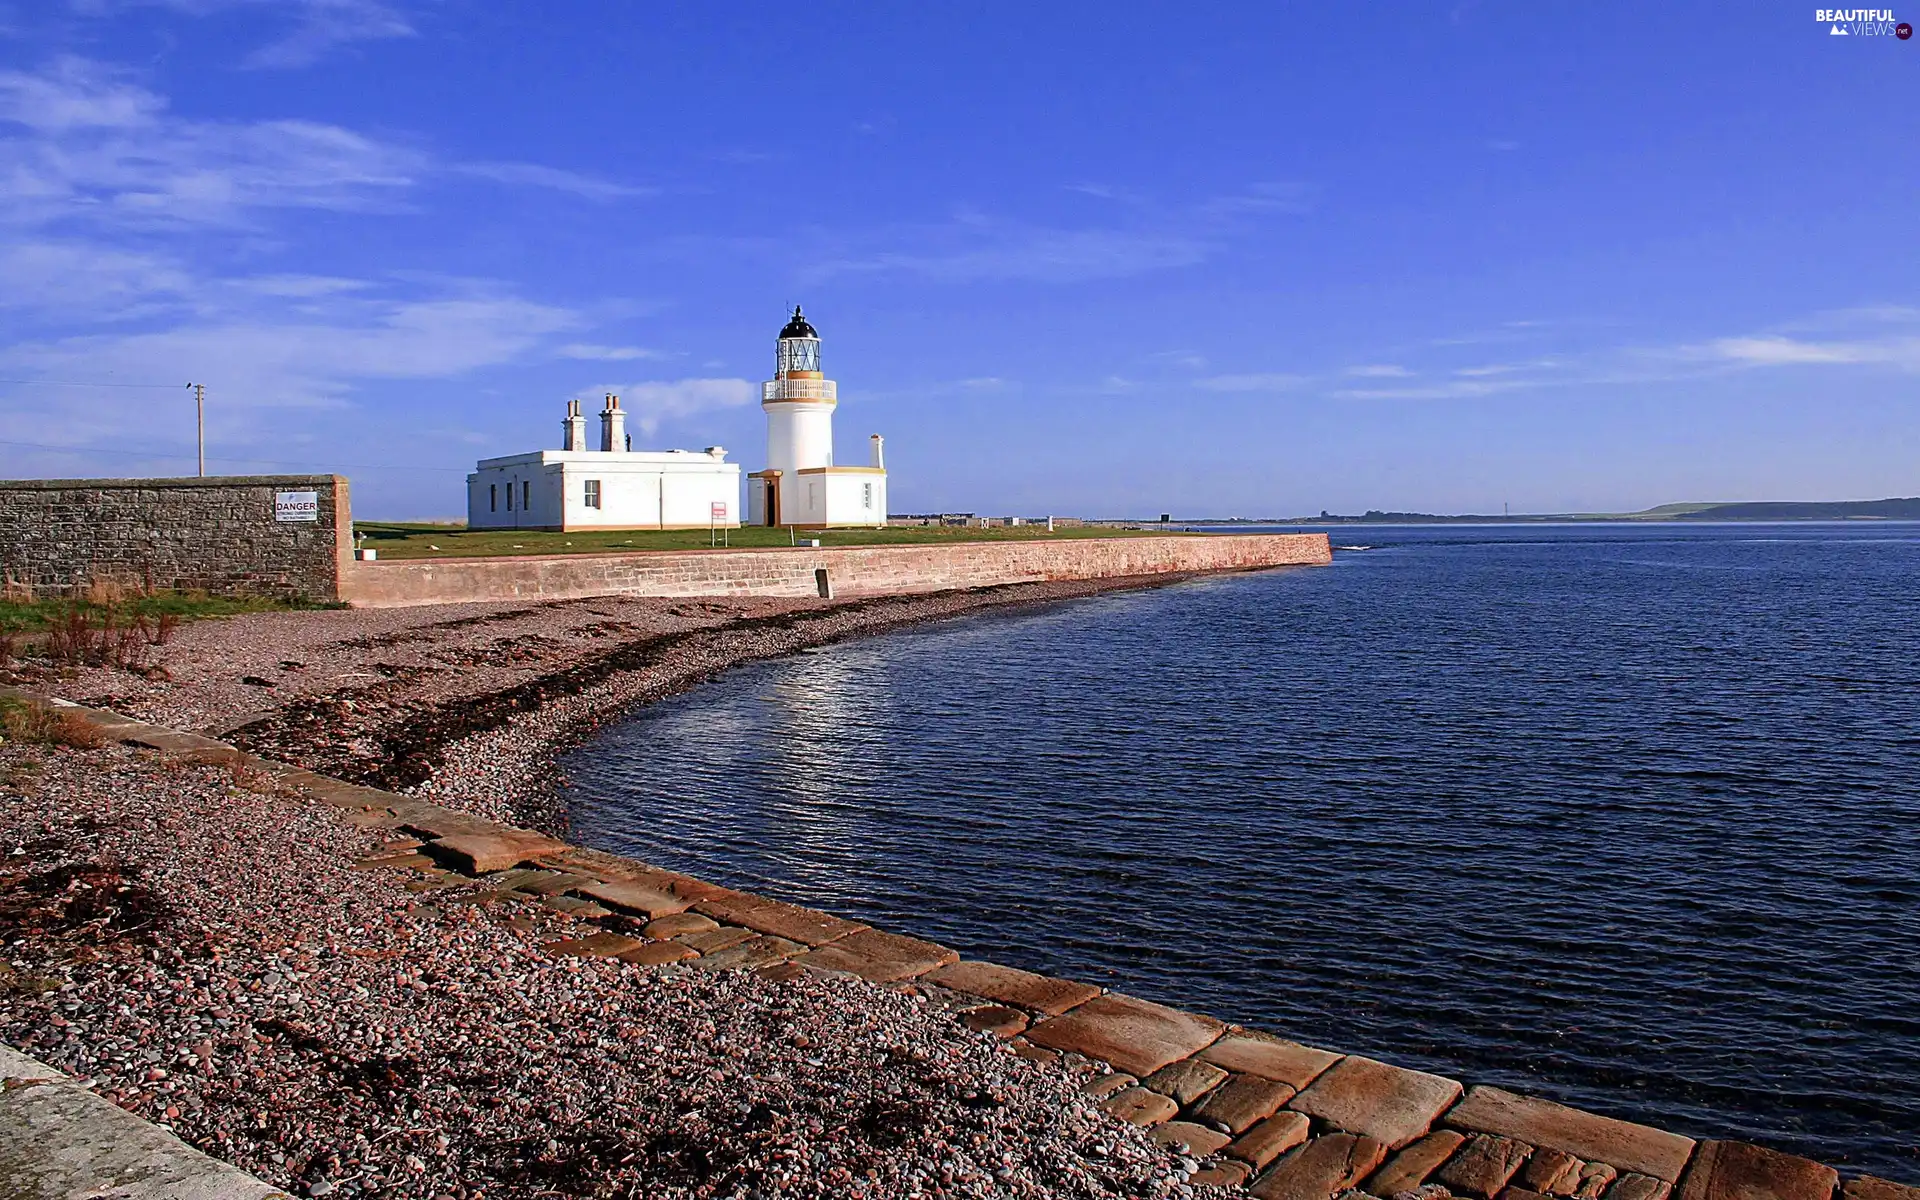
{"x":277,"y":534}
{"x":1249,"y":1109}
{"x":848,"y":570}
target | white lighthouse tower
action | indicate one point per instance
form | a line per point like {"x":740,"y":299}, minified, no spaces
{"x":801,"y":485}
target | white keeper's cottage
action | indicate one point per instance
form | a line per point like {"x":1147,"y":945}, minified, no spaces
{"x":614,"y":487}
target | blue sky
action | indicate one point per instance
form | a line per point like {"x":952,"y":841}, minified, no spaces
{"x":1228,"y":259}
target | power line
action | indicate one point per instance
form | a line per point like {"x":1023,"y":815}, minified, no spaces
{"x":265,"y":462}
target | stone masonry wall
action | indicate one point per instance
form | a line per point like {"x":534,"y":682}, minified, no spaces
{"x":851,"y":570}
{"x":217,"y":533}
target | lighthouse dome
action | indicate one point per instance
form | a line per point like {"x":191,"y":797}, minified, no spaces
{"x":798,"y":327}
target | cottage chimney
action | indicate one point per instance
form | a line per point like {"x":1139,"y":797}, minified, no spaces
{"x":573,"y":430}
{"x":879,"y":459}
{"x":613,"y":425}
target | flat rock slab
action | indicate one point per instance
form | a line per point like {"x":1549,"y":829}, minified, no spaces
{"x":1621,"y":1144}
{"x":1552,"y":1172}
{"x":1184,"y":1137}
{"x":1107,"y":1085}
{"x":1009,"y":985}
{"x":634,"y":896}
{"x":778,"y":918}
{"x":482,"y":853}
{"x":1138,"y":1106}
{"x":1242,"y":1100}
{"x":1223,"y":1173}
{"x":1738,"y":1171}
{"x":756,"y":952}
{"x":1270,"y":1139}
{"x":1186,"y":1080}
{"x":1869,"y":1187}
{"x":59,"y":1141}
{"x":1133,"y":1035}
{"x":659,"y":954}
{"x":712,"y":941}
{"x":1639,"y":1187}
{"x":1391,"y":1105}
{"x":1485,"y":1166}
{"x":574,"y":907}
{"x":595,"y":945}
{"x":675,"y":924}
{"x":881,"y":957}
{"x":1410,"y":1168}
{"x":1316,"y":1171}
{"x":1595,"y":1179}
{"x":430,"y":820}
{"x":552,"y":883}
{"x":1246,"y":1052}
{"x":997,"y":1019}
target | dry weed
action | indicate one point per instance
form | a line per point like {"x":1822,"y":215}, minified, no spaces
{"x":38,"y":724}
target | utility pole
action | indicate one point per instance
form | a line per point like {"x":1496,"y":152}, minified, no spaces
{"x":200,"y":421}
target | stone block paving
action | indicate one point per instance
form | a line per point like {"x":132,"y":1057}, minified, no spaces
{"x":1242,"y":1107}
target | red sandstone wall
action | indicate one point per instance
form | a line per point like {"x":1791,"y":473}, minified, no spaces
{"x":854,"y":570}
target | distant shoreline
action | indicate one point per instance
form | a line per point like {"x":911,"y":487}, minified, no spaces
{"x":1891,"y":509}
{"x":1554,"y":519}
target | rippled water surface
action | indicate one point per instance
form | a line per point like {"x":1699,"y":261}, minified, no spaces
{"x":1624,"y":815}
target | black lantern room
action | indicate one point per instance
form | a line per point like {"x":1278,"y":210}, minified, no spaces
{"x":799,"y":348}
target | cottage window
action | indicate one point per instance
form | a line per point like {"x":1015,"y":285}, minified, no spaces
{"x":493,"y":497}
{"x":593,"y":493}
{"x":509,"y":495}
{"x":526,"y":494}
{"x":866,"y":495}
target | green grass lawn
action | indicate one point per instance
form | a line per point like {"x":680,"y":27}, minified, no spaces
{"x":399,"y":539}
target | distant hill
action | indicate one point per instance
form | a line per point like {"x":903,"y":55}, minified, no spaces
{"x":1907,"y":509}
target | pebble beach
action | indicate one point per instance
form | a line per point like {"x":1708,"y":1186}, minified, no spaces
{"x":207,"y":956}
{"x":213,"y":954}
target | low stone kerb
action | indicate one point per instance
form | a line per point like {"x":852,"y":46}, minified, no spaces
{"x":1618,"y":1143}
{"x":1134,"y":1035}
{"x":1389,"y":1104}
{"x":1738,"y":1171}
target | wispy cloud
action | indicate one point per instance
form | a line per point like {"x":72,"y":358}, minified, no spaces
{"x":652,"y":403}
{"x":84,"y":143}
{"x":584,"y":350}
{"x":307,"y":31}
{"x":94,"y":147}
{"x":1484,"y":370}
{"x":1774,"y":351}
{"x":1380,"y":371}
{"x":324,"y":25}
{"x":1865,"y":335}
{"x":1013,"y":251}
{"x":310,"y":355}
{"x":973,"y":246}
{"x":1455,"y":389}
{"x":1257,"y":382}
{"x":1885,"y":336}
{"x":533,"y":175}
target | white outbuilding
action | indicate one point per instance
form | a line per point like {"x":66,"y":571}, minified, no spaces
{"x":614,"y":487}
{"x":801,"y":484}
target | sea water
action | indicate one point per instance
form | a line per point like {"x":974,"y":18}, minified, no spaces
{"x":1623,"y":815}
